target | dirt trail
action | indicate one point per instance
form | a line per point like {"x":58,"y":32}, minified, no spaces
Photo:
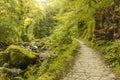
{"x":89,"y":66}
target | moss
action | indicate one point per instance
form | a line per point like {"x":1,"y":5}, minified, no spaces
{"x":3,"y":58}
{"x":3,"y":76}
{"x":20,"y":57}
{"x":17,"y":57}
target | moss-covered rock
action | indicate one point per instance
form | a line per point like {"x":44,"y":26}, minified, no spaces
{"x":3,"y":58}
{"x":18,"y":57}
{"x":3,"y":76}
{"x":10,"y":73}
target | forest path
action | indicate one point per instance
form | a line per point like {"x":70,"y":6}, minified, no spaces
{"x":89,"y":66}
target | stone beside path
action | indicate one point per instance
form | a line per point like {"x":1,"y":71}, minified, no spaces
{"x":89,"y":66}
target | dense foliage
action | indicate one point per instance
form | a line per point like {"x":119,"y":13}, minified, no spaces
{"x":96,"y":21}
{"x":46,"y":26}
{"x":45,"y":35}
{"x":18,"y":19}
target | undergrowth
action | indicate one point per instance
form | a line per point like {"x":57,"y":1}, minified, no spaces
{"x":53,"y":67}
{"x":110,"y":50}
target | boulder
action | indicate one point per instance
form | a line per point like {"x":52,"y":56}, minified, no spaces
{"x":19,"y":57}
{"x":11,"y":71}
{"x":45,"y":55}
{"x":3,"y":58}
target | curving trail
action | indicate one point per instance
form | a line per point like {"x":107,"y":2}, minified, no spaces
{"x":89,"y":66}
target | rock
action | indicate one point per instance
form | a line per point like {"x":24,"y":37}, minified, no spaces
{"x":32,"y":46}
{"x":18,"y":78}
{"x":27,"y":47}
{"x":11,"y":71}
{"x":3,"y":58}
{"x":44,"y":55}
{"x":19,"y":57}
{"x":3,"y":76}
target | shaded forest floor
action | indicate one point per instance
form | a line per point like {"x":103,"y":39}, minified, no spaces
{"x":89,"y":66}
